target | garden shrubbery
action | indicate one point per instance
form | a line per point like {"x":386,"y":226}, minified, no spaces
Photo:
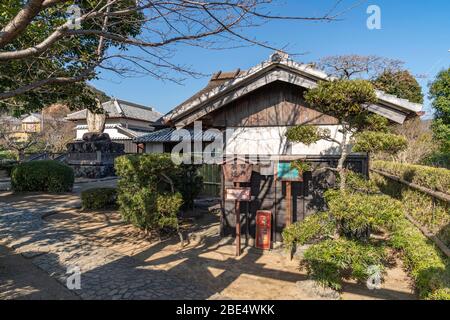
{"x":428,"y":177}
{"x":314,"y":227}
{"x":98,"y":198}
{"x":429,"y":212}
{"x":343,"y":248}
{"x":358,"y":183}
{"x":152,"y":190}
{"x":350,"y":256}
{"x":330,"y":261}
{"x":43,"y":175}
{"x":358,"y":214}
{"x":429,"y":269}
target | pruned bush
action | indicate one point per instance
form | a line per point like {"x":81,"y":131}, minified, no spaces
{"x":43,"y":175}
{"x":358,"y":183}
{"x":374,"y":141}
{"x":98,"y":198}
{"x":357,"y":214}
{"x":428,"y":177}
{"x":331,"y":261}
{"x":167,"y":208}
{"x":147,"y":191}
{"x":314,"y":227}
{"x":426,"y":265}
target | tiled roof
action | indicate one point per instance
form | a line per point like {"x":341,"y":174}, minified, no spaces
{"x":167,"y":135}
{"x":122,"y":109}
{"x":32,"y":118}
{"x":217,"y":79}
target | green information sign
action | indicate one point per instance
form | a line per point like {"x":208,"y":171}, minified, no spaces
{"x":286,"y":173}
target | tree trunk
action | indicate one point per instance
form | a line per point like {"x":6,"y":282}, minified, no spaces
{"x":21,"y":155}
{"x":341,"y":162}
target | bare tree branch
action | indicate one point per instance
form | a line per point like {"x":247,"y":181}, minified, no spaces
{"x":161,"y":25}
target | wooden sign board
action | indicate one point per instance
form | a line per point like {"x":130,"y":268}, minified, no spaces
{"x":238,"y":194}
{"x":286,"y":173}
{"x":238,"y":172}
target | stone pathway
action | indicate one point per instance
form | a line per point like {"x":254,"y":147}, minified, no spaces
{"x":105,"y":274}
{"x":20,"y":279}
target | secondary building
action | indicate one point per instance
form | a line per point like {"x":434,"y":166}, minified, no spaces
{"x":125,"y":121}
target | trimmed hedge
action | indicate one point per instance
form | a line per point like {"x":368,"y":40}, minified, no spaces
{"x":43,"y":175}
{"x":98,"y":198}
{"x":358,"y":183}
{"x":147,"y":191}
{"x":426,"y":265}
{"x":314,"y":227}
{"x":429,"y":212}
{"x":330,"y":261}
{"x":358,"y":214}
{"x":428,"y":177}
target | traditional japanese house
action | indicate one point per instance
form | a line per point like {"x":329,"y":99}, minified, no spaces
{"x":124,"y":122}
{"x":259,"y":105}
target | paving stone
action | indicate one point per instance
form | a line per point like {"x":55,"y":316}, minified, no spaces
{"x":105,"y":274}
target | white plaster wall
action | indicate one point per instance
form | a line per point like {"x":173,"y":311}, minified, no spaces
{"x":154,"y":148}
{"x":272,"y":141}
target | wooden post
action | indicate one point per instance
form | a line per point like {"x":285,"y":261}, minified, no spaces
{"x":288,"y":203}
{"x":238,"y":225}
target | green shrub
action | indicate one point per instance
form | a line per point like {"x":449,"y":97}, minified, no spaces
{"x":167,"y":208}
{"x":440,"y":294}
{"x":8,"y":166}
{"x":358,"y":214}
{"x":430,"y":271}
{"x":147,"y":194}
{"x":358,"y":183}
{"x":189,"y":183}
{"x":314,"y":227}
{"x":428,"y":177}
{"x":429,"y":212}
{"x":8,"y":155}
{"x":331,"y":261}
{"x":98,"y":198}
{"x":374,"y":141}
{"x":300,"y":165}
{"x":43,"y":175}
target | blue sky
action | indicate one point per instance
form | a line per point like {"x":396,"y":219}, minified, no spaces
{"x":414,"y":31}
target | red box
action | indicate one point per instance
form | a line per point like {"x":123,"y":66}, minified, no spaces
{"x":263,"y":229}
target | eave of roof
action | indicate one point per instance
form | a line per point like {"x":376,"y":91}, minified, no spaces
{"x":167,"y":135}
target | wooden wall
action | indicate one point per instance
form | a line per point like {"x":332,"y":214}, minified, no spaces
{"x":277,"y":104}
